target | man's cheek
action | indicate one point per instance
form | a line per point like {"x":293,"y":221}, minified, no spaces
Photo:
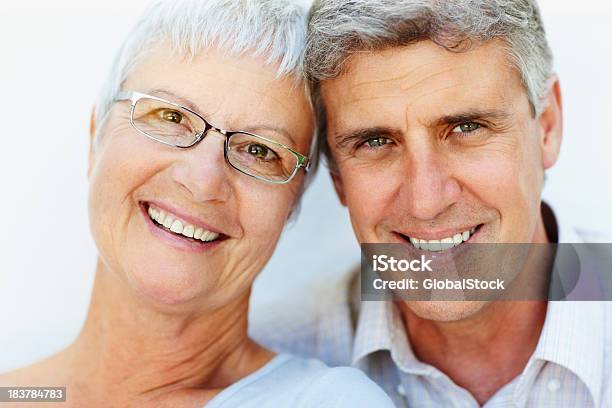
{"x":367,"y":190}
{"x":490,"y":173}
{"x":368,"y":202}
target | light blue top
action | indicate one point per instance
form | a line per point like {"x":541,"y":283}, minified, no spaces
{"x":288,"y":381}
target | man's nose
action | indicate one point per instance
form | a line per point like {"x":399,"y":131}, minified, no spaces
{"x":429,"y":187}
{"x":202,"y":170}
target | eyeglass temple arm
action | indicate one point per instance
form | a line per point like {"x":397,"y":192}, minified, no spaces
{"x":303,"y":161}
{"x":127,"y":96}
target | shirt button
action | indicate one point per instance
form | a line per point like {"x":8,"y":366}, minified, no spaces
{"x":554,"y":385}
{"x":401,"y":391}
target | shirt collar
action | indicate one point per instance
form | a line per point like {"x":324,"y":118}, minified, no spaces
{"x":374,"y":330}
{"x":573,"y":337}
{"x":380,"y":327}
{"x":573,"y":333}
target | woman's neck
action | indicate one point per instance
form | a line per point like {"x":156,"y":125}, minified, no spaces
{"x":127,"y":346}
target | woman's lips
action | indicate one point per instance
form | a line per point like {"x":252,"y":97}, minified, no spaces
{"x":182,"y":216}
{"x":184,"y":239}
{"x":179,"y":226}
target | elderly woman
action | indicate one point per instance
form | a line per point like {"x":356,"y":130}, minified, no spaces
{"x":198,"y":157}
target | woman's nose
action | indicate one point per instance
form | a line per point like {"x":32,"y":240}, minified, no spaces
{"x":202,"y":169}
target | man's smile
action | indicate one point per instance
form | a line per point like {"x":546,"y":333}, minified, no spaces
{"x":441,"y":241}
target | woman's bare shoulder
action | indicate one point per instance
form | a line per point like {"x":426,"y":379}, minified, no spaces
{"x":43,"y":373}
{"x":31,"y":375}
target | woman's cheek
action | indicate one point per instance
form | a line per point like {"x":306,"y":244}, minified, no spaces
{"x":265,"y":213}
{"x":118,"y":169}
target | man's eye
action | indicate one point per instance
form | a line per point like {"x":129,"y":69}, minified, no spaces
{"x":377,"y":142}
{"x":172,"y":116}
{"x":466,"y":127}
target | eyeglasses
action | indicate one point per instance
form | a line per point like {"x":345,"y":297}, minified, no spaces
{"x":177,"y":126}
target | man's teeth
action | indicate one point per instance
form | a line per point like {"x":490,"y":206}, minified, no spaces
{"x":169,"y":222}
{"x":444,"y":243}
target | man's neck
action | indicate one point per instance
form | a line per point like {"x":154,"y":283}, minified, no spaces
{"x":127,"y":345}
{"x":483,"y":353}
{"x":488,"y":350}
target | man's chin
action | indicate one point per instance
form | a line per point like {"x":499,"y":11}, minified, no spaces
{"x":445,"y":311}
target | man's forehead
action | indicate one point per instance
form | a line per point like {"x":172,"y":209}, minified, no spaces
{"x":424,"y":74}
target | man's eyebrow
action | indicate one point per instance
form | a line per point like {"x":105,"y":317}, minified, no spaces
{"x":343,"y":139}
{"x":471,"y":115}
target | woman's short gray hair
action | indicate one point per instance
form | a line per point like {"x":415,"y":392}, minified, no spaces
{"x":340,"y":28}
{"x":274,"y":29}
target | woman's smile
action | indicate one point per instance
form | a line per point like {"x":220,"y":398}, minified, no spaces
{"x":180,"y":231}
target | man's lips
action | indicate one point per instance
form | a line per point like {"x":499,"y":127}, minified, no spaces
{"x":440,"y":240}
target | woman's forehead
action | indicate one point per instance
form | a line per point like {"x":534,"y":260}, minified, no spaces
{"x":233,"y":92}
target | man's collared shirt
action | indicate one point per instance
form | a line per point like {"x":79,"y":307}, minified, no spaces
{"x":570,"y":367}
{"x":566,"y":369}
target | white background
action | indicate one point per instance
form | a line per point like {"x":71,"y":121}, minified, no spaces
{"x":53,"y":58}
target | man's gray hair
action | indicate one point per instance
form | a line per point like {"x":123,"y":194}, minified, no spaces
{"x":341,"y":28}
{"x":274,"y":29}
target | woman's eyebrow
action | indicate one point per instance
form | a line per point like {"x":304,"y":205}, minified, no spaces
{"x":173,"y":97}
{"x":176,"y":98}
{"x":276,"y":129}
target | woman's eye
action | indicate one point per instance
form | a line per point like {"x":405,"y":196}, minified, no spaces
{"x":466,"y":127}
{"x":172,"y":116}
{"x":257,"y":150}
{"x":377,"y":142}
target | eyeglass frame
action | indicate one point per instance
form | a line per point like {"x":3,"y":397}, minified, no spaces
{"x":134,"y":97}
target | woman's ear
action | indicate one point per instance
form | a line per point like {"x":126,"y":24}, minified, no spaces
{"x":92,"y":139}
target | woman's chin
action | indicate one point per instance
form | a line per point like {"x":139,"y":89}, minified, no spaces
{"x":168,"y":286}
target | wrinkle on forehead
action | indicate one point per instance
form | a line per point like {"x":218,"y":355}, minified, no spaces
{"x":399,"y":83}
{"x":231,"y":92}
{"x":425,"y":81}
{"x":421,"y":67}
{"x":413,"y":87}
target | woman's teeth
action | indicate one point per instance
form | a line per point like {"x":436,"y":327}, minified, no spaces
{"x":442,"y":244}
{"x":173,"y":224}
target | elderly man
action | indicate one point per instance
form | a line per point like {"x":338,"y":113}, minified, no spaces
{"x":439,"y":119}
